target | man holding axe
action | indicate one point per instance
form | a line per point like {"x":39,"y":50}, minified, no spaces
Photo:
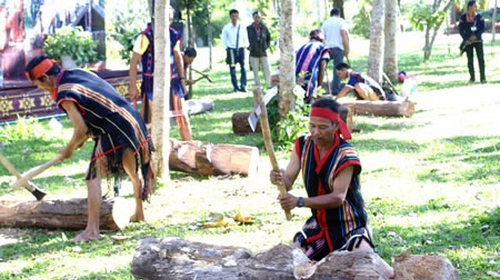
{"x":97,"y":111}
{"x":330,"y":169}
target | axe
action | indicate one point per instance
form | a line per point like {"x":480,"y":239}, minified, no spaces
{"x":30,"y":174}
{"x":266,"y":133}
{"x":39,"y":194}
{"x":203,"y":75}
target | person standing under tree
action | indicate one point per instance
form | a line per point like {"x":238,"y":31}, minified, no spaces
{"x":471,"y":27}
{"x":144,"y":52}
{"x":259,"y":39}
{"x":337,"y":40}
{"x":235,"y":41}
{"x":97,"y":111}
{"x":330,"y":168}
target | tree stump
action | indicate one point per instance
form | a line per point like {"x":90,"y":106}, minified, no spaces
{"x":241,"y":125}
{"x":209,"y":159}
{"x":61,"y":214}
{"x":175,"y":258}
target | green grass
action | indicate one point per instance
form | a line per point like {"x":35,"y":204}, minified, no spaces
{"x":431,"y":181}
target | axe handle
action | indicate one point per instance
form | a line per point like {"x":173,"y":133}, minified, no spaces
{"x":266,"y":133}
{"x":28,"y":175}
{"x":29,"y":185}
{"x":202,"y":74}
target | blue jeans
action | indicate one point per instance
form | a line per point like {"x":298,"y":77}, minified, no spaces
{"x":232,"y":71}
{"x":337,"y":55}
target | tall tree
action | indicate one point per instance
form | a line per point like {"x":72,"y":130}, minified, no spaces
{"x":376,"y":53}
{"x":391,"y":39}
{"x":287,"y":60}
{"x":429,"y":18}
{"x":160,"y":130}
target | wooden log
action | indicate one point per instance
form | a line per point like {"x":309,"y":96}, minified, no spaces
{"x":175,"y":258}
{"x":380,"y":108}
{"x":241,"y":125}
{"x":205,"y":158}
{"x":61,"y":214}
{"x":199,"y":106}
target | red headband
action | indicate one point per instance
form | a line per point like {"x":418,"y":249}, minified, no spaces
{"x":334,"y":117}
{"x":40,"y":69}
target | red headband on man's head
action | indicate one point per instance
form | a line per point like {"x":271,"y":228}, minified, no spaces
{"x":334,"y":117}
{"x":40,"y":69}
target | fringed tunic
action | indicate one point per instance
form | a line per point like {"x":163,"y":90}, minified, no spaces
{"x":329,"y":229}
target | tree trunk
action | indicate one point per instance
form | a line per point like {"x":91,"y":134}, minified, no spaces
{"x":209,"y":35}
{"x":376,"y":53}
{"x":391,"y":39}
{"x":160,"y":129}
{"x":287,"y":60}
{"x":63,"y":214}
{"x":494,"y":22}
{"x":204,"y":158}
{"x":380,"y":108}
{"x":175,"y":258}
{"x":338,"y":4}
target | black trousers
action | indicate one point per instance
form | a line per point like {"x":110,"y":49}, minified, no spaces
{"x":469,"y":50}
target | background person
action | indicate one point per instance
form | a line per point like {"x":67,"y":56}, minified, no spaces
{"x":98,"y":111}
{"x":330,"y":168}
{"x":310,"y":64}
{"x":235,"y":41}
{"x":337,"y":40}
{"x":364,"y":87}
{"x":471,"y":27}
{"x":259,"y":39}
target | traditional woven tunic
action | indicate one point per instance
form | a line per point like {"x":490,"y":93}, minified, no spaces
{"x":308,"y":60}
{"x":114,"y":124}
{"x":329,"y":229}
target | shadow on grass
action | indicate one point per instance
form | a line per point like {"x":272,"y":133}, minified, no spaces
{"x":477,"y":164}
{"x":394,"y":145}
{"x":454,"y":240}
{"x":397,"y":124}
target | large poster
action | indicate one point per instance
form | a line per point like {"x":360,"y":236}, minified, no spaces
{"x":24,"y":25}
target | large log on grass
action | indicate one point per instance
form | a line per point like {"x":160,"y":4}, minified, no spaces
{"x":175,"y":258}
{"x":380,"y":108}
{"x":199,"y":106}
{"x":205,"y":158}
{"x":62,"y":214}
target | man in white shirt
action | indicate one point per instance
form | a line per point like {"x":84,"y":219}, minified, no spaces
{"x":235,"y":41}
{"x":337,"y":40}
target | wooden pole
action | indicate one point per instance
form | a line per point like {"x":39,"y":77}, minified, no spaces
{"x":266,"y":133}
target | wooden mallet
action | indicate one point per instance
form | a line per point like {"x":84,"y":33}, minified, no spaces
{"x":266,"y":133}
{"x":39,"y":194}
{"x":33,"y":172}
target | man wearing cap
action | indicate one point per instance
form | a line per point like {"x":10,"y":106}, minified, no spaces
{"x":99,"y":112}
{"x":310,"y":64}
{"x":330,"y":168}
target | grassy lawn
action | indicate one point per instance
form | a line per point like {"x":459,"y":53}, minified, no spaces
{"x":431,"y":181}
